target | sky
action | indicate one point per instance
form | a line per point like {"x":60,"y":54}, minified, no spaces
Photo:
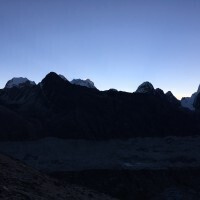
{"x":115,"y":43}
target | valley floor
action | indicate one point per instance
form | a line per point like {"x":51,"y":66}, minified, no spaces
{"x":135,"y":169}
{"x":52,"y":154}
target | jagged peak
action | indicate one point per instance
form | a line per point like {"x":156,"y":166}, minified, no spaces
{"x":53,"y":78}
{"x":87,"y":83}
{"x":159,"y":92}
{"x":169,"y":93}
{"x":19,"y":82}
{"x":188,"y":102}
{"x":172,"y":99}
{"x":50,"y":76}
{"x":145,"y":87}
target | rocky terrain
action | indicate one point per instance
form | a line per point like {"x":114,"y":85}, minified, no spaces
{"x":167,"y":184}
{"x":20,"y":182}
{"x":140,"y":145}
{"x":53,"y":154}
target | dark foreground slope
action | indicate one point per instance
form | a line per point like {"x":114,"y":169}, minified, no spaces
{"x":171,"y":184}
{"x":20,"y":182}
{"x":55,"y":107}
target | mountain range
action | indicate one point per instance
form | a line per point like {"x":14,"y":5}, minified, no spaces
{"x":57,"y":107}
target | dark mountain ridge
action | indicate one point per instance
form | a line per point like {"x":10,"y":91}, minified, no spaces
{"x":57,"y":108}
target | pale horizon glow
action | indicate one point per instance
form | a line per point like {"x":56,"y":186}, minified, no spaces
{"x":116,"y":44}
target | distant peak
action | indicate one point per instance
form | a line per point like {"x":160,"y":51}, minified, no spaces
{"x":86,"y":83}
{"x":172,"y":99}
{"x":19,"y":82}
{"x":188,"y":102}
{"x":145,"y":87}
{"x":51,"y":74}
{"x":159,"y":92}
{"x":169,"y":93}
{"x":53,"y":78}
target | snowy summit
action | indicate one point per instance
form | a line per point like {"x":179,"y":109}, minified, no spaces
{"x":188,"y":102}
{"x":87,"y":83}
{"x":19,"y":82}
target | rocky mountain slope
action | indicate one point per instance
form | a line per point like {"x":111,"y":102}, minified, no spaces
{"x":20,"y":182}
{"x":191,"y":102}
{"x":171,"y":184}
{"x":87,"y":83}
{"x":55,"y":107}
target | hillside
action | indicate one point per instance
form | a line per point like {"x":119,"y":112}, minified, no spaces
{"x":57,"y":108}
{"x":20,"y":182}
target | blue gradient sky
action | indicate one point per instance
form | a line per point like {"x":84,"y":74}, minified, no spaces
{"x":116,"y":43}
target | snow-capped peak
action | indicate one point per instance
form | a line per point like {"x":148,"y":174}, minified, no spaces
{"x":87,"y":83}
{"x":187,"y":102}
{"x":145,"y":87}
{"x":18,"y":82}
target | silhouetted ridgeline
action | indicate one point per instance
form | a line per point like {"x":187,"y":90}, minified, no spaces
{"x":55,"y":107}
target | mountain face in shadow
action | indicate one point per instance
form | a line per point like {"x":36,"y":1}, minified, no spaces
{"x":57,"y":108}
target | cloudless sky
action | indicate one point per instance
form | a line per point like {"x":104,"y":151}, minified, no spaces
{"x":116,"y":43}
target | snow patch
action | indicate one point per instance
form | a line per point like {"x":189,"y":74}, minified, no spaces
{"x":86,"y":83}
{"x":187,"y":102}
{"x":18,"y":82}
